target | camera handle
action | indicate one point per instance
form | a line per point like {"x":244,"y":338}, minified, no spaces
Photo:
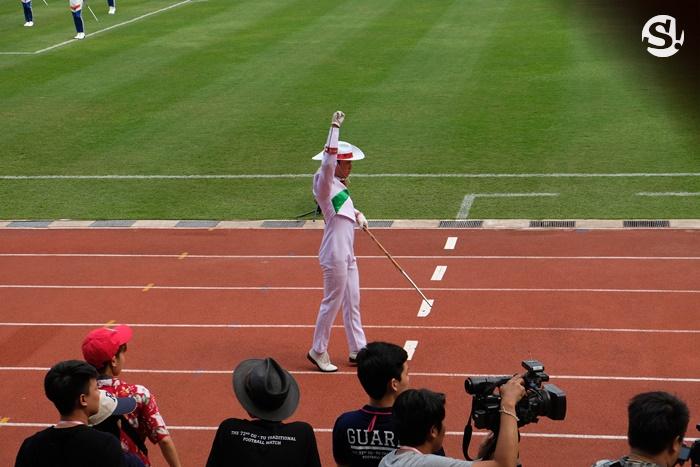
{"x":490,"y":448}
{"x":466,"y":439}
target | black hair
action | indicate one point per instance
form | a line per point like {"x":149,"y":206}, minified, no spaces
{"x":103,"y":369}
{"x":66,"y":381}
{"x":377,"y":364}
{"x":656,"y":419}
{"x":416,"y":412}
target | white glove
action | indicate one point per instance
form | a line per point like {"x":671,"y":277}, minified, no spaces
{"x":338,"y":117}
{"x":361,"y":220}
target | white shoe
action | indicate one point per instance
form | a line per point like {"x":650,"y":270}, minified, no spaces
{"x":80,"y":35}
{"x":112,"y":10}
{"x":322,"y":361}
{"x":29,"y":24}
{"x":352,"y":358}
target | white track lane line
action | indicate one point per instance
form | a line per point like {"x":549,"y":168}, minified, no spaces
{"x":658,"y":379}
{"x":572,"y":436}
{"x":365,"y":289}
{"x":315,"y":257}
{"x":368,"y":326}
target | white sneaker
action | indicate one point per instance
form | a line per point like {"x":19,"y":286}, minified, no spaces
{"x":29,"y":24}
{"x":112,"y":10}
{"x":352,"y":358}
{"x":322,"y":361}
{"x":80,"y":35}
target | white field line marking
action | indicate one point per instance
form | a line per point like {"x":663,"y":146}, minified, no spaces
{"x":425,"y":308}
{"x":61,"y":44}
{"x":410,"y":348}
{"x":450,"y":243}
{"x":378,"y":175}
{"x":439,"y":273}
{"x":315,"y":257}
{"x":366,"y":289}
{"x":427,"y":374}
{"x":670,"y":193}
{"x":573,"y":436}
{"x":470,"y":198}
{"x":369,"y":326}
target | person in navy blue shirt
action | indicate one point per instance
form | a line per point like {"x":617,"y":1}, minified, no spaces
{"x":362,"y":437}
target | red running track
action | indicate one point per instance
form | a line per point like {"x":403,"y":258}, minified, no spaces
{"x":610,"y":313}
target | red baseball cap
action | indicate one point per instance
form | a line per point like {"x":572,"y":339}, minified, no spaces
{"x":102,"y":344}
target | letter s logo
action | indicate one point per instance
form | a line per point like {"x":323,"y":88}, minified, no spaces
{"x":659,"y":36}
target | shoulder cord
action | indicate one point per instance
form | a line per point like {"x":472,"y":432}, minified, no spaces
{"x":131,"y":433}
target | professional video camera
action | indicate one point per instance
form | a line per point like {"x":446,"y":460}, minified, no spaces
{"x":691,"y":452}
{"x":540,"y":400}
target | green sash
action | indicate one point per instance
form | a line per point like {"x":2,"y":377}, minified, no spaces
{"x":339,"y":199}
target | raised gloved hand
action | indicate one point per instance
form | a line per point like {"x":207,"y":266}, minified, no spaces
{"x":338,"y":117}
{"x":361,"y":220}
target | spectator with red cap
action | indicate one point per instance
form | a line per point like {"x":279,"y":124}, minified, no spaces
{"x":105,"y":349}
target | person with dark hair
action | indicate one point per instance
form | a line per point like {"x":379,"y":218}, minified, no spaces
{"x":362,"y":437}
{"x":657,"y":424}
{"x":72,"y":387}
{"x":105,"y":349}
{"x":420,"y":416}
{"x":269,"y":394}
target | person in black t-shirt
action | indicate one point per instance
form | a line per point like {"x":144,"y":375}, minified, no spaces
{"x":269,"y":394}
{"x":72,"y":387}
{"x":362,"y":437}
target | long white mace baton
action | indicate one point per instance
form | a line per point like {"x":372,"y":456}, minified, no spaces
{"x":388,"y":255}
{"x":92,"y":12}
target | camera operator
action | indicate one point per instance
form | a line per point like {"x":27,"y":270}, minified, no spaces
{"x":419,"y":416}
{"x":657,"y":425}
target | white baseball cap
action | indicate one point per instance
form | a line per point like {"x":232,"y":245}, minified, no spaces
{"x":346,"y":152}
{"x":111,"y":405}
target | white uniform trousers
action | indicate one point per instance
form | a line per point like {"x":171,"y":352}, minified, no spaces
{"x":341,"y":286}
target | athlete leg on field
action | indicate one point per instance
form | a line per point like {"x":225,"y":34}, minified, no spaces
{"x":76,"y":8}
{"x":28,"y":17}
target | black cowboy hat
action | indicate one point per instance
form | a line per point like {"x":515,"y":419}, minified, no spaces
{"x":265,"y":389}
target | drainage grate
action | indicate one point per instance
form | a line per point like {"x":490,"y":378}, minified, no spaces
{"x":553,"y":224}
{"x":380,"y":223}
{"x":112,"y":224}
{"x":646,"y":224}
{"x":187,"y":224}
{"x":461,"y":224}
{"x":283,"y":224}
{"x":30,"y":224}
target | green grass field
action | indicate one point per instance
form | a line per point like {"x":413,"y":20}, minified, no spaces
{"x":227,"y":87}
